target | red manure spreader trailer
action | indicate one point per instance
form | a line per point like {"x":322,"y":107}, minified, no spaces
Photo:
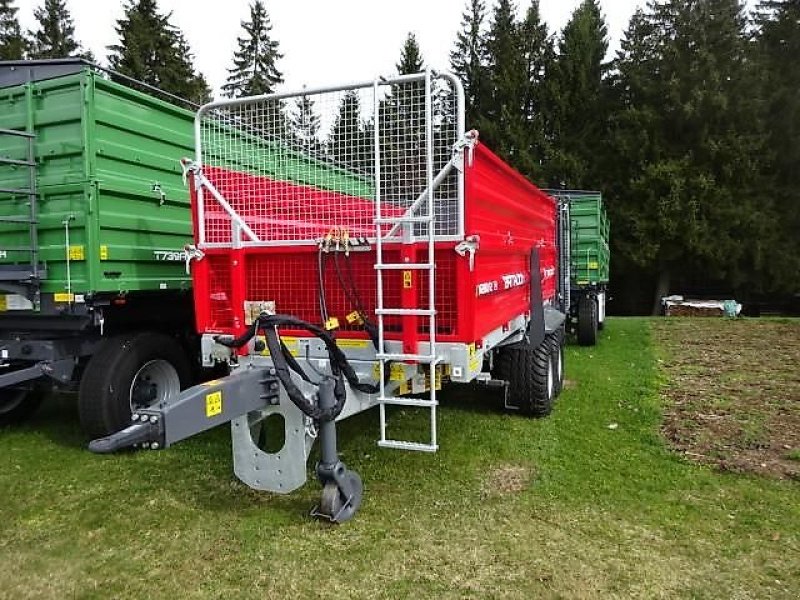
{"x":355,"y":247}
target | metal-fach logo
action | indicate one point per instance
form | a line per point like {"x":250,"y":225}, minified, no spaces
{"x":506,"y":282}
{"x":3,"y":254}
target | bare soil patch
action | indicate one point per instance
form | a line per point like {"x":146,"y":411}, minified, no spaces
{"x":733,"y":392}
{"x":506,"y":479}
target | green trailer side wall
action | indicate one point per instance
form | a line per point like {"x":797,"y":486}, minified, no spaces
{"x":589,"y":249}
{"x":100,"y":148}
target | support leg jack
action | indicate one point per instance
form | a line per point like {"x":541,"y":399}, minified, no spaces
{"x":342,"y":489}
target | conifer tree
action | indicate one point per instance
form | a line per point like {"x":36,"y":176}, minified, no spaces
{"x":501,"y":112}
{"x":580,"y":107}
{"x":410,"y":57}
{"x":532,"y":130}
{"x":468,"y":59}
{"x":12,"y":43}
{"x":776,"y":61}
{"x":255,"y":61}
{"x":55,"y":36}
{"x":156,"y":52}
{"x":348,"y":145}
{"x":689,"y":146}
{"x":304,"y":125}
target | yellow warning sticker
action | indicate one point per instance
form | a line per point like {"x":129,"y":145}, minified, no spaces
{"x":3,"y":302}
{"x":354,"y":317}
{"x":404,"y":388}
{"x":474,"y":361}
{"x":63,"y":297}
{"x":407,"y":279}
{"x":397,"y":372}
{"x":352,"y":344}
{"x":593,"y":264}
{"x":213,"y":404}
{"x":332,"y":323}
{"x":103,"y":252}
{"x":76,"y":253}
{"x":291,"y":343}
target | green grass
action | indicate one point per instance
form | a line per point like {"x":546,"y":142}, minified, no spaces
{"x":588,"y":511}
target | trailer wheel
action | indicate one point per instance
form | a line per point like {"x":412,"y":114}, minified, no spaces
{"x":557,"y":348}
{"x":127,"y":372}
{"x":16,"y":405}
{"x":587,"y":321}
{"x":530,"y":376}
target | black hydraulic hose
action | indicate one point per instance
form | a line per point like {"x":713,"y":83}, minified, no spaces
{"x":323,"y":306}
{"x":351,"y":292}
{"x":283,"y":361}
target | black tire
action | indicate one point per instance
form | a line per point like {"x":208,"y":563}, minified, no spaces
{"x":557,"y":350}
{"x":587,"y":321}
{"x":107,"y":389}
{"x":529,"y":374}
{"x":18,"y":404}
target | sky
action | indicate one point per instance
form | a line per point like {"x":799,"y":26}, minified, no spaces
{"x":324,"y":42}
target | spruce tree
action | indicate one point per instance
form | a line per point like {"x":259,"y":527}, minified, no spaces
{"x":12,"y":43}
{"x":348,"y":144}
{"x":156,"y":52}
{"x":55,"y":36}
{"x":255,"y":68}
{"x":532,"y":130}
{"x":580,"y":108}
{"x":776,"y":60}
{"x":689,"y":144}
{"x":501,"y":114}
{"x":468,"y":59}
{"x":304,"y":124}
{"x":410,"y":57}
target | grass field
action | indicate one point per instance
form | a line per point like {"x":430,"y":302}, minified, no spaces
{"x":590,"y":502}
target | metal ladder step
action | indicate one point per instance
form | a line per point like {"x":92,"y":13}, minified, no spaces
{"x":404,"y":266}
{"x":401,"y":220}
{"x":400,"y":401}
{"x":400,"y":445}
{"x":405,"y":312}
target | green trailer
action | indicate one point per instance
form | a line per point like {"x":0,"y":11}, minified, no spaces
{"x":584,"y":243}
{"x":94,"y":218}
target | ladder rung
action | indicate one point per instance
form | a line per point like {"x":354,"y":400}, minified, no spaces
{"x":405,"y":312}
{"x":394,"y":220}
{"x":404,"y":266}
{"x":400,"y":401}
{"x":14,"y":161}
{"x":422,"y":358}
{"x":400,"y":445}
{"x":21,"y":192}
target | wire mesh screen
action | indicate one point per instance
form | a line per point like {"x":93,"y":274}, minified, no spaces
{"x":292,"y":168}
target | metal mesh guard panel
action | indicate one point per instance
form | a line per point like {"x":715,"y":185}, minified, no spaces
{"x":292,"y":167}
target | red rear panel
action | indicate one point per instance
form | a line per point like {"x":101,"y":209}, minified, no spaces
{"x":507,"y":213}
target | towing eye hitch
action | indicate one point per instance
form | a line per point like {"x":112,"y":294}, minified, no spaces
{"x":342,"y":489}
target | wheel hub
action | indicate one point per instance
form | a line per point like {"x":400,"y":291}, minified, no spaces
{"x":155,"y":382}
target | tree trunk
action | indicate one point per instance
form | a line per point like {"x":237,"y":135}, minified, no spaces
{"x":662,"y":289}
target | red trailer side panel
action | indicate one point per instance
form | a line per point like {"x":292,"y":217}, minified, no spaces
{"x":510,"y":216}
